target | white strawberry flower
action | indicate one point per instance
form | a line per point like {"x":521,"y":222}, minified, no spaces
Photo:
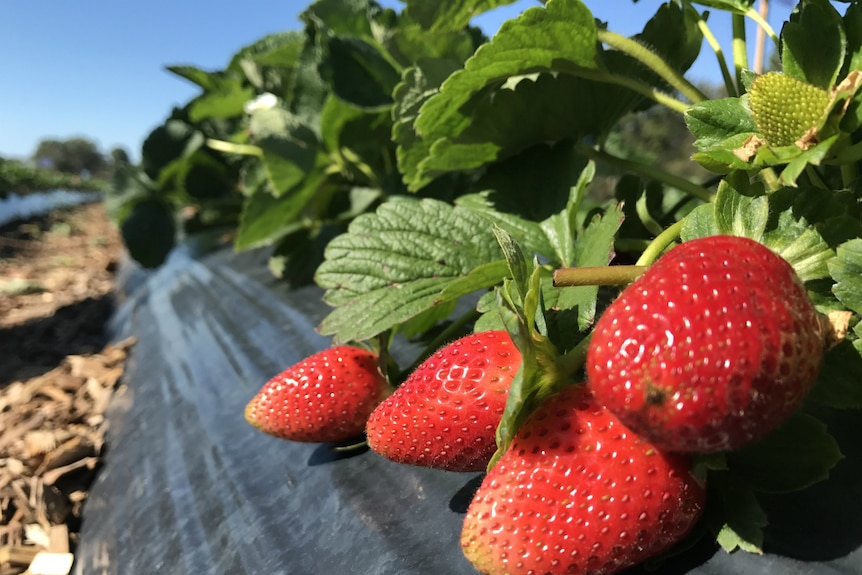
{"x":264,"y":101}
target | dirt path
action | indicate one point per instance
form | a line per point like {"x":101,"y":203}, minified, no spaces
{"x":56,"y":281}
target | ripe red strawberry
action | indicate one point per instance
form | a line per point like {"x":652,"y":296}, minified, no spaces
{"x":712,"y":348}
{"x":326,"y":397}
{"x":445,"y":414}
{"x":578,"y":492}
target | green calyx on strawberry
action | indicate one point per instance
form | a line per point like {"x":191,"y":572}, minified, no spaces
{"x":578,"y":492}
{"x":327,"y":397}
{"x":446,"y":412}
{"x":713,"y":347}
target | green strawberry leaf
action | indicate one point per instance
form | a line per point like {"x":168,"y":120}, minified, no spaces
{"x":297,"y":254}
{"x":783,"y":221}
{"x":714,"y":121}
{"x":360,"y":73}
{"x":519,"y":271}
{"x":334,"y":117}
{"x":595,"y":247}
{"x":555,"y":179}
{"x":342,"y":17}
{"x":743,"y":536}
{"x":839,"y":383}
{"x":418,"y":84}
{"x":149,"y":231}
{"x":846,"y":270}
{"x":209,"y":81}
{"x":515,"y":117}
{"x":407,"y":257}
{"x":561,"y":36}
{"x":528,"y":233}
{"x":743,"y":517}
{"x":274,"y":51}
{"x":791,"y":235}
{"x":801,"y":159}
{"x":802,"y":247}
{"x":202,"y":176}
{"x":409,"y":43}
{"x":560,"y":228}
{"x":267,"y":218}
{"x":493,"y":314}
{"x":358,"y":140}
{"x":673,"y":33}
{"x":723,"y":157}
{"x":226,"y":102}
{"x":442,"y":15}
{"x":813,"y":43}
{"x":540,"y":105}
{"x":797,"y":455}
{"x":290,"y":147}
{"x":420,"y":324}
{"x":308,"y":90}
{"x":699,"y":223}
{"x":173,"y":140}
{"x":539,"y":375}
{"x":569,"y":310}
{"x":739,"y":210}
{"x":853,"y":29}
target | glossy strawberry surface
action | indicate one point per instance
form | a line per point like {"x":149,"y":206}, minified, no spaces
{"x":710,"y":349}
{"x":578,"y":492}
{"x":445,"y":414}
{"x":327,"y":397}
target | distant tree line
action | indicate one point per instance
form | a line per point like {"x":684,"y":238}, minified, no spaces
{"x":78,"y":156}
{"x":71,"y":164}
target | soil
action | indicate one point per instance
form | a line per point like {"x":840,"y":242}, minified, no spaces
{"x":56,"y":377}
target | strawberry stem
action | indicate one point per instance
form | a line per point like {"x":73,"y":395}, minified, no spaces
{"x":740,"y":51}
{"x":573,"y":360}
{"x":729,"y":84}
{"x":597,"y":275}
{"x":653,"y":61}
{"x":617,"y":275}
{"x":658,"y":245}
{"x":646,"y":170}
{"x":350,"y":447}
{"x":233,"y":148}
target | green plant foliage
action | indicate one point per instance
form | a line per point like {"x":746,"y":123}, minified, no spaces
{"x":361,"y":74}
{"x":403,"y":260}
{"x":149,"y":232}
{"x":19,"y":178}
{"x":797,"y":455}
{"x":450,"y":14}
{"x":814,"y":44}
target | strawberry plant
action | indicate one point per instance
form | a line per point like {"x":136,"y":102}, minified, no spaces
{"x":435,"y":184}
{"x":292,"y":139}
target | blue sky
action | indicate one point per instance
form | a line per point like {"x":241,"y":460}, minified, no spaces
{"x":96,"y":68}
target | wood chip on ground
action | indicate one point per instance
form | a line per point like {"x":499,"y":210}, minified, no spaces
{"x":55,"y":383}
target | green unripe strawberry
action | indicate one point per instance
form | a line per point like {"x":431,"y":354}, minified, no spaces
{"x":785,"y":108}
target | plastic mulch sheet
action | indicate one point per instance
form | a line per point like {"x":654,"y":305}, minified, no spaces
{"x":188,"y":487}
